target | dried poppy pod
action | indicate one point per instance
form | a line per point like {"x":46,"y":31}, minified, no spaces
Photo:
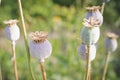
{"x":95,"y":13}
{"x":90,"y":33}
{"x":12,"y":31}
{"x":40,"y":47}
{"x":82,"y":50}
{"x":110,"y":42}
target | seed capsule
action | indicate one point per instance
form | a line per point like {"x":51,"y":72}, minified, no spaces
{"x":110,"y":42}
{"x":82,"y":50}
{"x":40,"y":47}
{"x":90,"y":33}
{"x":12,"y":31}
{"x":95,"y":13}
{"x":90,"y":36}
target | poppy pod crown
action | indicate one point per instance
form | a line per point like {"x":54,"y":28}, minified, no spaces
{"x":93,"y":8}
{"x":111,"y":35}
{"x":91,"y":22}
{"x":39,"y":37}
{"x":11,"y":22}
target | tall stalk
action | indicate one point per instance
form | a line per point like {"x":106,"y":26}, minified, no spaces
{"x":0,"y":2}
{"x":43,"y":71}
{"x":106,"y":66}
{"x":89,"y":77}
{"x":0,"y":72}
{"x":25,"y":38}
{"x":14,"y":60}
{"x":88,"y":66}
{"x":102,"y":8}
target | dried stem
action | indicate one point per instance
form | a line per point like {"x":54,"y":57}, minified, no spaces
{"x":88,"y":66}
{"x":102,"y":7}
{"x":89,"y":77}
{"x":25,"y":38}
{"x":0,"y":73}
{"x":106,"y":66}
{"x":43,"y":70}
{"x":14,"y":60}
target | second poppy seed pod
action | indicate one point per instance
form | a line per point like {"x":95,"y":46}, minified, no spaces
{"x":90,"y":36}
{"x":90,"y":33}
{"x":82,"y":50}
{"x":40,"y":47}
{"x":95,"y":13}
{"x":110,"y":44}
{"x":12,"y":31}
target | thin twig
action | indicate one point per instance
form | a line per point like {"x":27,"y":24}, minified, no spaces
{"x":43,"y":70}
{"x":106,"y":66}
{"x":88,"y":66}
{"x":102,"y":8}
{"x":14,"y":60}
{"x":25,"y":38}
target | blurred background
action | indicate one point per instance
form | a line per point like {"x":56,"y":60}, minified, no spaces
{"x":62,"y":19}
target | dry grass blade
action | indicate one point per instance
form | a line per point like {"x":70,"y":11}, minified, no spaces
{"x":25,"y":38}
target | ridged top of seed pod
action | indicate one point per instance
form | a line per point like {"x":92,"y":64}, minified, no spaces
{"x":111,"y":35}
{"x":93,"y":8}
{"x":91,"y":22}
{"x":11,"y":22}
{"x":38,"y":37}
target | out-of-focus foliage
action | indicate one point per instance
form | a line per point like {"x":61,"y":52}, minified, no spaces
{"x":63,"y":22}
{"x":64,"y":2}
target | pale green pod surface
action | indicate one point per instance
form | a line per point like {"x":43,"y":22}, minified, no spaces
{"x":40,"y":50}
{"x":12,"y":32}
{"x":110,"y":44}
{"x":82,"y":50}
{"x":90,"y":35}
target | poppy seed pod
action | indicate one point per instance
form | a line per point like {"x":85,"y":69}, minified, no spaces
{"x":82,"y":50}
{"x":95,"y":13}
{"x":40,"y":47}
{"x":12,"y":31}
{"x":110,"y":42}
{"x":90,"y":33}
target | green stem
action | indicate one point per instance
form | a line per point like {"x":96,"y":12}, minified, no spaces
{"x":25,"y":38}
{"x":14,"y":60}
{"x":106,"y":66}
{"x":88,"y":66}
